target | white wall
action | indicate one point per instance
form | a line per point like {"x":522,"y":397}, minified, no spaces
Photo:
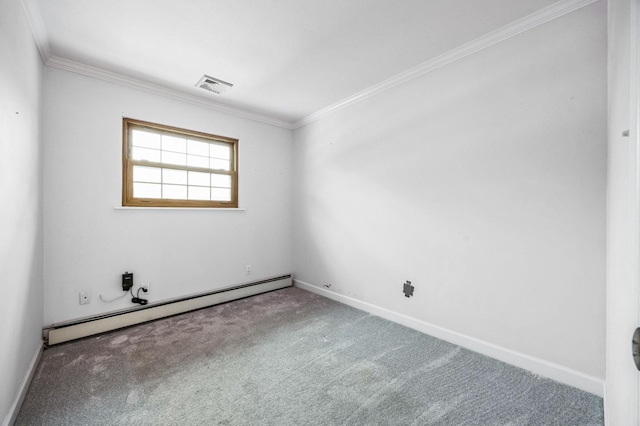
{"x":623,"y":216}
{"x":21,"y":205}
{"x":89,"y":244}
{"x":483,"y":183}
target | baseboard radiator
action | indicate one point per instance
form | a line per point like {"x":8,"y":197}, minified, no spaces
{"x":71,"y":330}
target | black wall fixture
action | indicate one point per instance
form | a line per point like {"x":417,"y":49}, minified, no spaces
{"x":408,"y":289}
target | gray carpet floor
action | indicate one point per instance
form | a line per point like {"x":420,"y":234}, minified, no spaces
{"x":288,"y":357}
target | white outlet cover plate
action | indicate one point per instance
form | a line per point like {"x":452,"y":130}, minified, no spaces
{"x":85,"y":297}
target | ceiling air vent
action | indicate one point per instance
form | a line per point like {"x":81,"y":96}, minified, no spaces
{"x":213,"y":85}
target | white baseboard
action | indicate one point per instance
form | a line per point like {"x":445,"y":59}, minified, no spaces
{"x":535,"y":365}
{"x":604,"y":406}
{"x":10,"y":419}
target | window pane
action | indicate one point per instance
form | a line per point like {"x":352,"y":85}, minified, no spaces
{"x":174,"y":158}
{"x":222,"y":181}
{"x":145,"y":139}
{"x":197,"y":161}
{"x":146,"y":174}
{"x":171,"y":167}
{"x":198,"y":178}
{"x":172,"y":143}
{"x":221,"y":194}
{"x":198,"y":148}
{"x":146,"y":190}
{"x":174,"y":176}
{"x":220,"y":151}
{"x":219,"y":164}
{"x":199,"y":193}
{"x":145,"y":154}
{"x":176,"y":192}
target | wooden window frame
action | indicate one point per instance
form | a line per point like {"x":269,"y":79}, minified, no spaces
{"x":128,"y":200}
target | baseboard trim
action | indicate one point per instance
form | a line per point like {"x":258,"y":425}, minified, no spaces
{"x":63,"y":332}
{"x":11,"y":417}
{"x":535,"y":365}
{"x":604,"y":406}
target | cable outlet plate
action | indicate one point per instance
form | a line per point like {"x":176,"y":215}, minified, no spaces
{"x":85,"y":297}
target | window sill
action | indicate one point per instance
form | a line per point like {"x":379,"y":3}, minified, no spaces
{"x":236,"y":209}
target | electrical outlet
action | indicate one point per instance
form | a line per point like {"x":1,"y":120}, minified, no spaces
{"x":248,"y":270}
{"x":85,"y":297}
{"x":145,"y":287}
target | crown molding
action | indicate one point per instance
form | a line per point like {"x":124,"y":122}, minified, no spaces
{"x":122,"y":80}
{"x":531,"y":21}
{"x":517,"y":27}
{"x":38,"y":29}
{"x":32,"y":12}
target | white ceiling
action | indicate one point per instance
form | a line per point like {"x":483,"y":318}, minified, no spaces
{"x":286,"y":58}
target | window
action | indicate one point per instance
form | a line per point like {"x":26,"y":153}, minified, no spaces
{"x":168,"y":167}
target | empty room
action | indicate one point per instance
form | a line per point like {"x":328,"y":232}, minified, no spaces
{"x":287,"y":212}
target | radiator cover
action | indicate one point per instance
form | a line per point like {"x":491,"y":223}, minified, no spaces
{"x":71,"y":330}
